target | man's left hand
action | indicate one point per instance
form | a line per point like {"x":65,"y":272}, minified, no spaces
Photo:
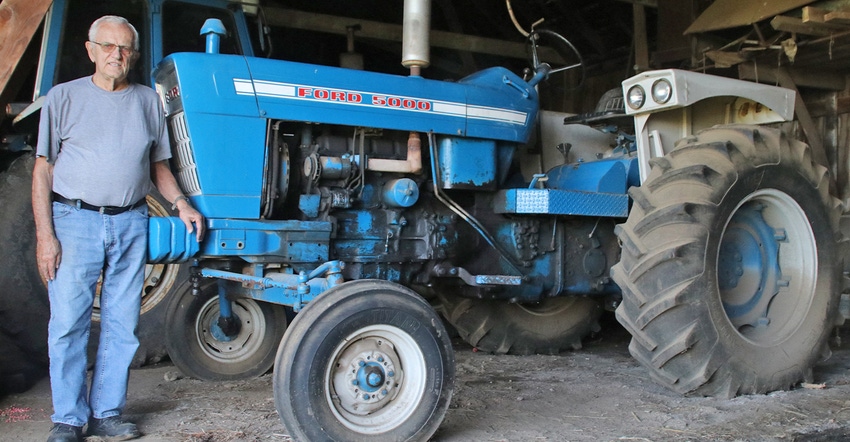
{"x":192,"y":218}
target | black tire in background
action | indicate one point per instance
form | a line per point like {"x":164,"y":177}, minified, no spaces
{"x":24,"y":306}
{"x":367,"y":360}
{"x":502,"y":327}
{"x":24,"y":309}
{"x":195,"y":347}
{"x":729,"y":268}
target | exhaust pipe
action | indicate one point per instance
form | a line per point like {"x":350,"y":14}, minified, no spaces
{"x":416,"y":28}
{"x":213,"y":29}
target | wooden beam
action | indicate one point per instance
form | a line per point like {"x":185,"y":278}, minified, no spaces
{"x":647,"y":3}
{"x":813,"y":135}
{"x":291,"y":18}
{"x":19,"y":19}
{"x":828,"y":80}
{"x":791,"y":24}
{"x":842,"y":105}
{"x":640,"y":38}
{"x":839,"y":17}
{"x":813,"y":14}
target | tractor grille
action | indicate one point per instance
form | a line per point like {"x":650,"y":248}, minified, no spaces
{"x":183,"y":157}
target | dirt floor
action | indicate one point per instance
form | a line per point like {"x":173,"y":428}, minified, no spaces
{"x":595,"y":394}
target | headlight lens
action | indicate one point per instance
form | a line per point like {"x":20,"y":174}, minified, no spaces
{"x":662,"y":91}
{"x":635,"y":97}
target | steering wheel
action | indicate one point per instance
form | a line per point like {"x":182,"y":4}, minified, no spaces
{"x":561,"y":46}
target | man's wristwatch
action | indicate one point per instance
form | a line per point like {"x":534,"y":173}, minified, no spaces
{"x":177,"y":200}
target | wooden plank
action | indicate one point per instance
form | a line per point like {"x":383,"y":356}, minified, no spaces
{"x":838,"y":17}
{"x":826,"y":80}
{"x":724,"y":59}
{"x":791,"y":24}
{"x":726,"y":14}
{"x":19,"y":19}
{"x":813,"y":135}
{"x":640,"y":36}
{"x":291,"y":18}
{"x":647,"y":3}
{"x":842,"y":105}
{"x":813,"y":14}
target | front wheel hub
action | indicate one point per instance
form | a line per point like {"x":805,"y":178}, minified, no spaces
{"x":226,"y":328}
{"x":367,"y":376}
{"x":231,"y":343}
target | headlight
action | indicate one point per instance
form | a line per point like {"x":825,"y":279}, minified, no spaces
{"x":636,"y":97}
{"x":661,"y":91}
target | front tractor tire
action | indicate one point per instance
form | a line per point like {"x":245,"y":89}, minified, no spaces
{"x":367,"y":360}
{"x":729,"y":268}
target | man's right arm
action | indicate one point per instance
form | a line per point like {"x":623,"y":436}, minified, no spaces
{"x":48,"y":249}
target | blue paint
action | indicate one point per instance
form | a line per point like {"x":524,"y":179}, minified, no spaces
{"x":749,"y":261}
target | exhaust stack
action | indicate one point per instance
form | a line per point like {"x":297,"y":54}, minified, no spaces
{"x":416,"y":30}
{"x":213,"y":29}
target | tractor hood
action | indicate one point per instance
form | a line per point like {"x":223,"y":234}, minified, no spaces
{"x":492,"y":104}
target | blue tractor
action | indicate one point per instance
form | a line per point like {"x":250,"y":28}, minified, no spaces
{"x":366,"y":202}
{"x":359,"y":200}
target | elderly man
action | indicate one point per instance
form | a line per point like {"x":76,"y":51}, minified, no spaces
{"x":101,"y":143}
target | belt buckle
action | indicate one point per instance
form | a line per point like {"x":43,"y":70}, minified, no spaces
{"x":102,"y":210}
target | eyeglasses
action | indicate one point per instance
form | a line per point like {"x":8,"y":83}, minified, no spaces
{"x":110,"y":48}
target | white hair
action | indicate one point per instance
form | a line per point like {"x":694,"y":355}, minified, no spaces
{"x":116,"y":20}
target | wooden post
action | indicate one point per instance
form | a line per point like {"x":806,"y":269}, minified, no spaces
{"x":641,"y":45}
{"x":807,"y":123}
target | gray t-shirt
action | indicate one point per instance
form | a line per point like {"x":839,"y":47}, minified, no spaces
{"x":102,"y":143}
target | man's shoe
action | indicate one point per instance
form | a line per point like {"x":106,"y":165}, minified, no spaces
{"x":113,"y":428}
{"x":65,"y":433}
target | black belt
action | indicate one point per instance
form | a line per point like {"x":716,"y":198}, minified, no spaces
{"x":106,"y":210}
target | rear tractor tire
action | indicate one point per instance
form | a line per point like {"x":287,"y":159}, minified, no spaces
{"x":24,"y":308}
{"x":729,"y":268}
{"x":500,"y":327}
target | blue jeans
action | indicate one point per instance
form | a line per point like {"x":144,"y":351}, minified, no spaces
{"x":115,"y":245}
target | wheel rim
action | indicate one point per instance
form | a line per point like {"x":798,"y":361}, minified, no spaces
{"x":237,"y":348}
{"x":376,"y":379}
{"x":159,"y":278}
{"x":767,"y":267}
